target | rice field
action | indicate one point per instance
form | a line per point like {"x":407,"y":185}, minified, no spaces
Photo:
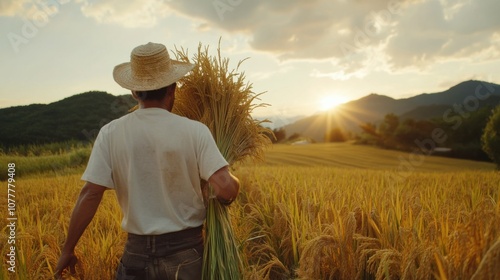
{"x":323,"y":211}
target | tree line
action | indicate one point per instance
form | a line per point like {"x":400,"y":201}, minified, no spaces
{"x":474,"y":137}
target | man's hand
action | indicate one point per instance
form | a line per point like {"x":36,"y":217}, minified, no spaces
{"x":66,"y":260}
{"x":226,"y":185}
{"x":86,"y":206}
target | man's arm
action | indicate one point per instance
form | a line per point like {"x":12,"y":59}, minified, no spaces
{"x":84,"y":211}
{"x":226,"y":186}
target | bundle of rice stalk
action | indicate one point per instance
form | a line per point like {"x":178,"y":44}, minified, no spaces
{"x":218,"y":97}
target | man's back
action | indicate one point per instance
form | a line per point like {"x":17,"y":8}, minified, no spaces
{"x":156,"y":160}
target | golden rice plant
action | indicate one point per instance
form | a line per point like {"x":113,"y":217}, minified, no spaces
{"x":330,"y":256}
{"x":43,"y":204}
{"x":221,"y":99}
{"x":434,"y":225}
{"x":489,"y":268}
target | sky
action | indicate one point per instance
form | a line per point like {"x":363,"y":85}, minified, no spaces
{"x":302,"y":54}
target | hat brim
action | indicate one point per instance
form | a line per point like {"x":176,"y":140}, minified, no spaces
{"x":122,"y":74}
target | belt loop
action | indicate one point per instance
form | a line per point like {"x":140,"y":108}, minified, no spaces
{"x":148,"y":242}
{"x":153,"y":250}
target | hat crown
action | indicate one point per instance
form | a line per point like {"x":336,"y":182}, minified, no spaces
{"x":148,"y":59}
{"x":150,"y":68}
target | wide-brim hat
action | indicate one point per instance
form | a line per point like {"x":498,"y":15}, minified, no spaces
{"x":150,"y":68}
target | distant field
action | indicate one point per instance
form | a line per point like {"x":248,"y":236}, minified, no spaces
{"x":341,"y":155}
{"x":346,"y":155}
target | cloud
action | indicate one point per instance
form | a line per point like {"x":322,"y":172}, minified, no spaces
{"x":11,"y":7}
{"x":30,"y":8}
{"x":292,"y":29}
{"x":407,"y":34}
{"x":354,"y":36}
{"x":432,"y":31}
{"x":135,"y":13}
{"x":348,"y":34}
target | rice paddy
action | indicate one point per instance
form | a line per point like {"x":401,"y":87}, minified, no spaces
{"x":322,"y":211}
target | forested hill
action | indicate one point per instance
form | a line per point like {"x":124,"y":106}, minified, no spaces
{"x":78,"y":117}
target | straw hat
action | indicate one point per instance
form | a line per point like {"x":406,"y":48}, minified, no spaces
{"x":150,"y":68}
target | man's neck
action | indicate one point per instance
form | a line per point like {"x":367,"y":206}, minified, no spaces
{"x":154,"y":104}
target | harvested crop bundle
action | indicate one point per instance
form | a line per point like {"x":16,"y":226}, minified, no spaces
{"x":222,"y":100}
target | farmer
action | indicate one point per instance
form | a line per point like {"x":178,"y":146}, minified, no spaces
{"x":154,"y":161}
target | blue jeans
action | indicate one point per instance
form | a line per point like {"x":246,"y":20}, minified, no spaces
{"x":177,"y":255}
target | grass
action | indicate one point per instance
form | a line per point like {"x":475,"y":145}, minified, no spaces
{"x":52,"y":163}
{"x":316,"y":219}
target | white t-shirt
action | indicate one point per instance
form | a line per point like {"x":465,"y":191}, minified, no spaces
{"x":154,"y":160}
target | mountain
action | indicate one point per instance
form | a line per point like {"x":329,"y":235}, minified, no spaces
{"x":457,"y":94}
{"x":78,"y":117}
{"x":467,"y":96}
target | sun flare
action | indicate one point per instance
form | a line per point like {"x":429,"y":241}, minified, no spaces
{"x":330,"y":102}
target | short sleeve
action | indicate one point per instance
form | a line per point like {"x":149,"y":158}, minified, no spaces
{"x":98,"y":169}
{"x":209,"y":157}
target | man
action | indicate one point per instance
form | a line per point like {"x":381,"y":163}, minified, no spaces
{"x":154,"y":160}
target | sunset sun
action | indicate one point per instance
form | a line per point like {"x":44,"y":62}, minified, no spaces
{"x":330,"y":101}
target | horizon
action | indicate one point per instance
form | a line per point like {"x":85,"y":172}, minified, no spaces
{"x":280,"y":121}
{"x":332,"y":50}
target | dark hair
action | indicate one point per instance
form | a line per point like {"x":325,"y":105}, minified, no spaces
{"x":155,"y":94}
